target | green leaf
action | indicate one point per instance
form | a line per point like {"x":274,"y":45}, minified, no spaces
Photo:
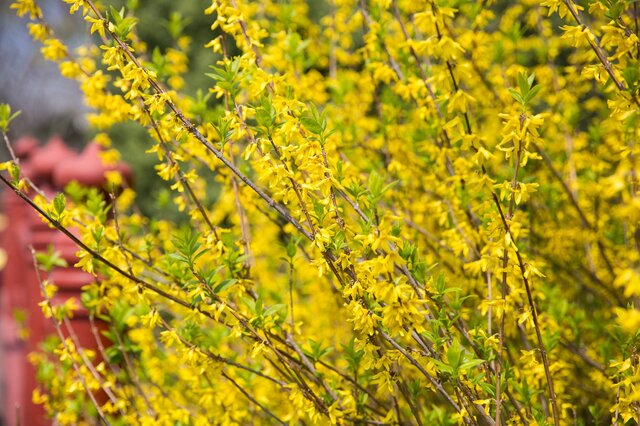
{"x":15,"y":174}
{"x":215,"y":75}
{"x":47,"y":261}
{"x":316,"y":123}
{"x":315,"y":350}
{"x":532,"y":93}
{"x":530,"y":80}
{"x":188,"y":247}
{"x":515,"y":95}
{"x":274,"y":309}
{"x":311,"y":124}
{"x":615,"y":10}
{"x":266,"y":113}
{"x":6,"y":116}
{"x":454,"y":354}
{"x":375,"y":185}
{"x":97,"y":233}
{"x":440,"y":284}
{"x":389,"y":186}
{"x":467,"y":365}
{"x":444,"y":368}
{"x":176,"y":24}
{"x":227,"y":77}
{"x":631,"y":74}
{"x":292,"y":247}
{"x":125,"y":26}
{"x":197,"y":254}
{"x":352,"y":355}
{"x":222,"y":129}
{"x":225,"y":284}
{"x":59,"y":203}
{"x":258,"y":307}
{"x":115,"y":14}
{"x":523,"y":83}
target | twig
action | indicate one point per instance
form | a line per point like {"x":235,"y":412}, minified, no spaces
{"x":252,"y":399}
{"x":602,"y":56}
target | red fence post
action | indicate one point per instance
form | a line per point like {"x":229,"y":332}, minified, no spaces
{"x":50,"y":167}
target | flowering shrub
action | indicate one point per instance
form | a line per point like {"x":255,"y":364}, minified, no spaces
{"x":405,"y":212}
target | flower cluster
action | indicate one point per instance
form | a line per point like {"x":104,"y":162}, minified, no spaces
{"x":404,"y":212}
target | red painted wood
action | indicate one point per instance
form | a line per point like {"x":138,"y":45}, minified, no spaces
{"x":87,"y":169}
{"x":51,"y":167}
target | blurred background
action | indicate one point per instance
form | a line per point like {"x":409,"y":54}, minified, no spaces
{"x":50,"y":104}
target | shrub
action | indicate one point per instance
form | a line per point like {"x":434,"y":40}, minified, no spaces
{"x":403,"y":212}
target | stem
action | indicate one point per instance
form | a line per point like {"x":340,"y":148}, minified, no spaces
{"x":182,"y":178}
{"x":293,"y":321}
{"x":534,"y":313}
{"x":252,"y":399}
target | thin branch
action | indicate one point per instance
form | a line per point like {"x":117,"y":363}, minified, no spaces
{"x":252,"y":399}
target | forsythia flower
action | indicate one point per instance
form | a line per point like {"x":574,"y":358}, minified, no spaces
{"x":397,"y":212}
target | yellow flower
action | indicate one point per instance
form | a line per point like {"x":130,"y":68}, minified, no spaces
{"x":27,"y":7}
{"x":53,"y":49}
